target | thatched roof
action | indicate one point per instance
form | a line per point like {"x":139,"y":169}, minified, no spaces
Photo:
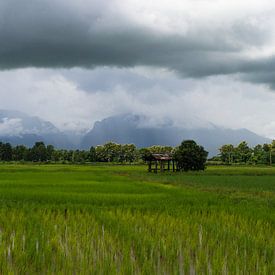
{"x":161,"y":157}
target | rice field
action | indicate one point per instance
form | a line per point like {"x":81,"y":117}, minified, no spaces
{"x":66,"y":219}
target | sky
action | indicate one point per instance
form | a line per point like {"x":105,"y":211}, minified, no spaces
{"x":188,"y":62}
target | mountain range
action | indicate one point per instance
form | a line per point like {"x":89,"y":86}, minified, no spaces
{"x":130,"y":129}
{"x":19,"y":128}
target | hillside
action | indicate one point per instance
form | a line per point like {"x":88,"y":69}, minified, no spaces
{"x":20,"y":128}
{"x":129,"y":129}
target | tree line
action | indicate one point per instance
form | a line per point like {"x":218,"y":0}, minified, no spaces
{"x":188,"y":155}
{"x":129,"y":153}
{"x":243,"y":154}
{"x":109,"y":152}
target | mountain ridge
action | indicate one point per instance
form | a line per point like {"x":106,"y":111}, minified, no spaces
{"x":20,"y":128}
{"x":128,"y":129}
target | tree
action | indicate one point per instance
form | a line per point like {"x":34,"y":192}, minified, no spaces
{"x":20,"y":153}
{"x":39,"y":152}
{"x":80,"y":156}
{"x":108,"y":152}
{"x":158,"y":149}
{"x":269,"y":149}
{"x":50,"y":151}
{"x":190,"y":156}
{"x":243,"y":151}
{"x":226,"y":153}
{"x":145,"y":154}
{"x":258,"y":155}
{"x":5,"y":151}
{"x":57,"y":155}
{"x":100,"y":154}
{"x":128,"y":153}
{"x":92,"y":154}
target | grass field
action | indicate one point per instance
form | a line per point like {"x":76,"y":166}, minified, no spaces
{"x":59,"y":219}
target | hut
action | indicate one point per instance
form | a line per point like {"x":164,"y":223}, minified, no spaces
{"x":161,"y":162}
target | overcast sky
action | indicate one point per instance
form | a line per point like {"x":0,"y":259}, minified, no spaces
{"x":191,"y":62}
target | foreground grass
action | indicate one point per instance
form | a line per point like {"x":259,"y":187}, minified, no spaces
{"x":120,"y":219}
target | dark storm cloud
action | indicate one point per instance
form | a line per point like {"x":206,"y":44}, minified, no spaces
{"x":105,"y":79}
{"x":88,"y":34}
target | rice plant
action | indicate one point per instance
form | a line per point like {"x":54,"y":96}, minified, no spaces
{"x":58,"y":219}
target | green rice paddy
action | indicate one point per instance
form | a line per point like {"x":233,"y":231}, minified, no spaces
{"x":91,"y":219}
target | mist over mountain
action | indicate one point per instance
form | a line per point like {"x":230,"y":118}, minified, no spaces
{"x":133,"y":129}
{"x":20,"y":128}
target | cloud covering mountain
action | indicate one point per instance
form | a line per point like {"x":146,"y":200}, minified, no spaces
{"x":133,"y":129}
{"x":75,"y":62}
{"x":14,"y":123}
{"x":19,"y":128}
